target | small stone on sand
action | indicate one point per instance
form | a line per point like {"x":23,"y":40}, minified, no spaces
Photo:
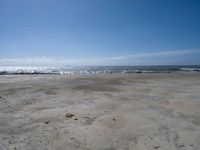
{"x":47,"y":122}
{"x":156,"y":147}
{"x":69,"y":115}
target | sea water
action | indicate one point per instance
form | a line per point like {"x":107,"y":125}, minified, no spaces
{"x":71,"y":70}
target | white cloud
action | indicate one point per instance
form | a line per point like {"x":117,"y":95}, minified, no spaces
{"x":135,"y":59}
{"x":158,"y":54}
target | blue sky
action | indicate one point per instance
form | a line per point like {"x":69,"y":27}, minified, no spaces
{"x":99,"y":32}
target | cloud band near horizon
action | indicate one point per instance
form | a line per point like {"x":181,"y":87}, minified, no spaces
{"x":131,"y":59}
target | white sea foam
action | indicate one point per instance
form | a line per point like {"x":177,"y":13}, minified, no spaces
{"x":27,"y":69}
{"x":190,"y":69}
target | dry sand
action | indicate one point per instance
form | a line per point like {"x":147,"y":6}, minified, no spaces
{"x":100,"y":112}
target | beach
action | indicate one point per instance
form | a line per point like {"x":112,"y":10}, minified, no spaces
{"x":139,"y":111}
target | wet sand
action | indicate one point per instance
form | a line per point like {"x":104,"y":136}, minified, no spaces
{"x":100,"y":112}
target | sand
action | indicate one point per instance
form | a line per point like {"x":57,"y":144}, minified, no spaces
{"x":100,"y":112}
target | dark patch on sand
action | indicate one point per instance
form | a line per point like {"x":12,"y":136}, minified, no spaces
{"x":47,"y":91}
{"x":162,"y":110}
{"x":18,"y":106}
{"x":95,"y":88}
{"x":88,"y":120}
{"x":194,"y":119}
{"x":96,"y":84}
{"x":109,"y":148}
{"x":12,"y":91}
{"x":17,"y":130}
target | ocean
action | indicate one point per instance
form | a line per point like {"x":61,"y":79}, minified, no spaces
{"x":68,"y":70}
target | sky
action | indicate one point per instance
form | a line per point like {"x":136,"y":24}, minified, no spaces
{"x":99,"y":32}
